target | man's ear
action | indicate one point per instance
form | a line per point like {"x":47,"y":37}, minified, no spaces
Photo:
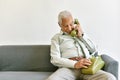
{"x":59,"y":24}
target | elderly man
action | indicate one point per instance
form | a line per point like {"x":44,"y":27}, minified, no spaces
{"x":70,"y":53}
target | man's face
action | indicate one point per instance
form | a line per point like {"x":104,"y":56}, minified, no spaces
{"x":67,"y":24}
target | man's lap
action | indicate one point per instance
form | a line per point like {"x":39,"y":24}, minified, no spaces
{"x":73,"y":74}
{"x":100,"y":75}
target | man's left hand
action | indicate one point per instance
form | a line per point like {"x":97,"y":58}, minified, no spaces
{"x":79,"y":30}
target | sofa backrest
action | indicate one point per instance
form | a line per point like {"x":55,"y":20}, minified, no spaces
{"x":25,"y":58}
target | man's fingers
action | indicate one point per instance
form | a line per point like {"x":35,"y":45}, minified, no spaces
{"x":84,"y":66}
{"x":85,"y":60}
{"x":88,"y":61}
{"x":87,"y":64}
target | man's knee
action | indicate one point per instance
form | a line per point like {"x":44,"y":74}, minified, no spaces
{"x":62,"y":74}
{"x":56,"y":78}
{"x":102,"y":75}
{"x":51,"y":78}
{"x":107,"y":76}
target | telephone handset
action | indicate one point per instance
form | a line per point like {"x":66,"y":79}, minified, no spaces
{"x":74,"y":32}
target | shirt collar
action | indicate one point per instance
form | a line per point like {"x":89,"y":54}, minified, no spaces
{"x":63,"y":33}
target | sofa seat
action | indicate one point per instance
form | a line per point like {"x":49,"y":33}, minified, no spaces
{"x":23,"y":75}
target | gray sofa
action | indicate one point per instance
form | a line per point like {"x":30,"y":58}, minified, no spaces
{"x":32,"y":62}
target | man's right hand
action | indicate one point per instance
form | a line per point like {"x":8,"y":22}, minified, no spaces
{"x":83,"y":63}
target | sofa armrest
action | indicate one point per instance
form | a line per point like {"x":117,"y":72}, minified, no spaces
{"x":111,"y":65}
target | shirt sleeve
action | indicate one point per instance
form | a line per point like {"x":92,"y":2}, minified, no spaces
{"x":56,"y":58}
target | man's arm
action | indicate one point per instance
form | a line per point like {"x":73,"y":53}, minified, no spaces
{"x":85,"y":39}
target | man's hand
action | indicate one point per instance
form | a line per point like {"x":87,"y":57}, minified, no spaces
{"x":83,"y":63}
{"x":79,"y":30}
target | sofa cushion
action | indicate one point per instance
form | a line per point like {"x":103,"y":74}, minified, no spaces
{"x":25,"y":58}
{"x":10,"y":75}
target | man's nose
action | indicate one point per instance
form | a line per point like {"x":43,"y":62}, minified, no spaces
{"x":70,"y":27}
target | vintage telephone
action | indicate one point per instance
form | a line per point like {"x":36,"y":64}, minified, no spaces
{"x":74,"y":32}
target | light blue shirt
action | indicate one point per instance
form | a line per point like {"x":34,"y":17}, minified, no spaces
{"x":63,"y":46}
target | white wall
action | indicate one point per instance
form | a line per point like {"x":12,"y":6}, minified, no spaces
{"x":35,"y":21}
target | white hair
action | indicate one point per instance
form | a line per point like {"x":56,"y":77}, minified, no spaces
{"x":63,"y":14}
